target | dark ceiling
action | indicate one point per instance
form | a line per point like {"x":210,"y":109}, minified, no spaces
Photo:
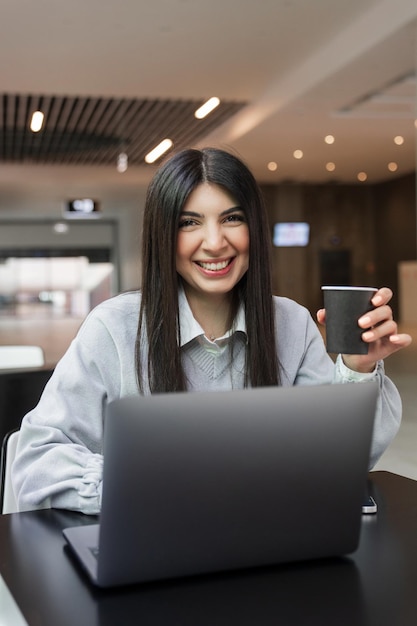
{"x":93,"y":131}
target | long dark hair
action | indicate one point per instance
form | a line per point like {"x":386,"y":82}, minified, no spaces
{"x":159,"y":316}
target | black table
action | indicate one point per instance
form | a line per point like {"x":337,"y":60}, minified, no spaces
{"x":377,"y":585}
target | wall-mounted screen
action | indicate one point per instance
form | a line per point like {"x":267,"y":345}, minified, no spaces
{"x":82,"y":208}
{"x":291,"y":234}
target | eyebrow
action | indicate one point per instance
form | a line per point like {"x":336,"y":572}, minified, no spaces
{"x":222,"y":214}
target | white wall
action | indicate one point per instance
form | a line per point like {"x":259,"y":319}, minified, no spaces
{"x":22,"y":203}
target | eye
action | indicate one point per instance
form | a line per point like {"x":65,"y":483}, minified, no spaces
{"x":186,"y":222}
{"x":235,"y":218}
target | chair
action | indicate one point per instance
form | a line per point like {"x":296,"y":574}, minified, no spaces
{"x":21,"y":356}
{"x":8,"y":453}
{"x":20,"y":392}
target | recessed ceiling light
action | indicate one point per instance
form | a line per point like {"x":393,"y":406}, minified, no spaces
{"x":122,"y":162}
{"x":329,"y":139}
{"x":399,"y":140}
{"x":207,"y":108}
{"x":362,"y":176}
{"x":393,"y":167}
{"x":330,"y":167}
{"x":272,"y":166}
{"x":37,"y":121}
{"x":298,"y":154}
{"x":158,"y":151}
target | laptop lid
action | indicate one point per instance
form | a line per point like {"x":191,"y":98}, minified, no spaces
{"x":203,"y":482}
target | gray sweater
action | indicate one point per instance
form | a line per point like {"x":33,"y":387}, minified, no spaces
{"x":59,"y":461}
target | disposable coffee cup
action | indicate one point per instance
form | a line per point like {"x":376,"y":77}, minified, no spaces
{"x":344,"y":306}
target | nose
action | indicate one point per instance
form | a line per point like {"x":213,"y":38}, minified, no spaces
{"x":214,"y":239}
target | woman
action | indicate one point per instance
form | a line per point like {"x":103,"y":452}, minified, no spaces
{"x":205,"y":320}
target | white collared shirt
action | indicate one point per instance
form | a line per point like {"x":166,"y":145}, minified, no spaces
{"x":190,"y":329}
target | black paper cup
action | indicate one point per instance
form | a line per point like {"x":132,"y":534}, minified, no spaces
{"x":344,"y":306}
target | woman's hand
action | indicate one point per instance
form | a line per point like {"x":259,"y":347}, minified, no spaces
{"x":381,"y":333}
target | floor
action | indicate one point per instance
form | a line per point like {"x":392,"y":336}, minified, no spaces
{"x":55,"y":334}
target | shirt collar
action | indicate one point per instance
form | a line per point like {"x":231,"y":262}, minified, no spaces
{"x":190,"y":329}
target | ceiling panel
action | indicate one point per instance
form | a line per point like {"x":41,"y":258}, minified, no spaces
{"x":93,"y":131}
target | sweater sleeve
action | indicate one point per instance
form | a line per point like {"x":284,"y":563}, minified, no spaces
{"x":305,"y":362}
{"x":388,"y":409}
{"x":59,"y":457}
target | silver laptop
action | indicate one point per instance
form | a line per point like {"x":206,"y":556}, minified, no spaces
{"x":205,"y":482}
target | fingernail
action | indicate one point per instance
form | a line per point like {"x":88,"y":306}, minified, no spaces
{"x":364,"y":321}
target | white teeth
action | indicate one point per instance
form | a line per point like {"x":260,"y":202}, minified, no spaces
{"x":214,"y":266}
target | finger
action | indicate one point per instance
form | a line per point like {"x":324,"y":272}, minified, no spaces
{"x":376,"y":316}
{"x":382,"y":296}
{"x":321,"y":316}
{"x":400,"y":340}
{"x":387,"y":329}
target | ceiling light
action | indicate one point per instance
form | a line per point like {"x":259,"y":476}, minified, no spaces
{"x":160,"y":149}
{"x":61,"y":228}
{"x":36,"y":121}
{"x":329,"y":139}
{"x":272,"y":166}
{"x":393,"y":167}
{"x":399,"y":140}
{"x":122,"y":162}
{"x":298,"y":154}
{"x":362,"y":176}
{"x":330,"y":167}
{"x":207,"y":108}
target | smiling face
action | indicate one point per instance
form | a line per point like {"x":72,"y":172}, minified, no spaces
{"x":213,"y":242}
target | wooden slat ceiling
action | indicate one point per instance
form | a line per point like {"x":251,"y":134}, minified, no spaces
{"x":93,"y":131}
